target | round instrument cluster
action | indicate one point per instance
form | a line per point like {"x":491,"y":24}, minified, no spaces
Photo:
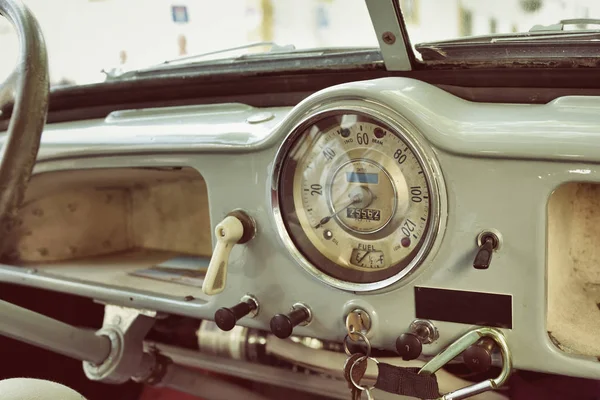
{"x":355,"y":200}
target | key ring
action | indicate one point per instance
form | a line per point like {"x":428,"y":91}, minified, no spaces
{"x":356,"y":385}
{"x":362,"y":336}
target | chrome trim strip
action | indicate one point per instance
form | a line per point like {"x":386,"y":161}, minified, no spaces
{"x":190,"y":129}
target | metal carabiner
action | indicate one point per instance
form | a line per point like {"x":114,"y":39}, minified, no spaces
{"x":461,"y":345}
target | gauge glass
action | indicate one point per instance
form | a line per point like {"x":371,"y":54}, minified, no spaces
{"x":355,"y":197}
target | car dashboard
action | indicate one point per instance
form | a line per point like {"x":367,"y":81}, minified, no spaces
{"x":391,"y":196}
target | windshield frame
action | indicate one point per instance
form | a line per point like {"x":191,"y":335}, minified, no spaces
{"x":471,"y":52}
{"x":387,"y":20}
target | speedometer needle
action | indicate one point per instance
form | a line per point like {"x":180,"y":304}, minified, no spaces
{"x":363,"y":196}
{"x":356,"y":199}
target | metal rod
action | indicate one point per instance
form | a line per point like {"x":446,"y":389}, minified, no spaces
{"x":208,"y":387}
{"x":36,"y":329}
{"x":334,"y":388}
{"x":31,"y":84}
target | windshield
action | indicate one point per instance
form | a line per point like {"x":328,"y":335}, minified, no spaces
{"x":90,"y":39}
{"x":435,"y":20}
{"x":85,"y":37}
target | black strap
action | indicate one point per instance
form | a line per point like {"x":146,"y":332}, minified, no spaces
{"x":406,"y":382}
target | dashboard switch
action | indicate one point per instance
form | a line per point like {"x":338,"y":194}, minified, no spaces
{"x":488,"y":243}
{"x":227,"y":318}
{"x":409,"y":346}
{"x":237,"y":227}
{"x":282,"y":325}
{"x":478,"y":357}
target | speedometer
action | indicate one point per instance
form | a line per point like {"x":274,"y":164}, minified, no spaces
{"x":355,"y":199}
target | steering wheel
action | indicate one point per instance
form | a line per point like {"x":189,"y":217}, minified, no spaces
{"x":27,"y":87}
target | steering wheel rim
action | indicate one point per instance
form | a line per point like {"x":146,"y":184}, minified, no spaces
{"x":27,"y":87}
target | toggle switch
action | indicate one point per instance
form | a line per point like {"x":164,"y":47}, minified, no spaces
{"x":488,"y":242}
{"x":227,"y":318}
{"x":236,"y":228}
{"x":282,"y":325}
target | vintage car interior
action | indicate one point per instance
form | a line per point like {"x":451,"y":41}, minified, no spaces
{"x":409,"y":221}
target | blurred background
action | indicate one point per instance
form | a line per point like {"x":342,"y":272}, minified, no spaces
{"x":86,"y":36}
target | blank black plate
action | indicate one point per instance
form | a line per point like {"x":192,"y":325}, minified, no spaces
{"x":464,"y":307}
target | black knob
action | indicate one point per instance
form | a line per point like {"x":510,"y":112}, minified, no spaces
{"x":226,"y":318}
{"x":283,"y":325}
{"x":489,"y":242}
{"x":409,"y":346}
{"x":478,"y":357}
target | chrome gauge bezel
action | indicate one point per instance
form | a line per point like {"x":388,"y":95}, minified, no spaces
{"x":410,"y":135}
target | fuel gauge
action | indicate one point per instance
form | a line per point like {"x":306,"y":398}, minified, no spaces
{"x":369,"y":258}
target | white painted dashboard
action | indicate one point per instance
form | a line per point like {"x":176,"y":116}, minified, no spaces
{"x":498,"y":163}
